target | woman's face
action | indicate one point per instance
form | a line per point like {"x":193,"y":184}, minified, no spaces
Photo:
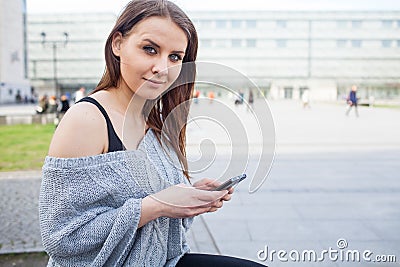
{"x":150,"y":56}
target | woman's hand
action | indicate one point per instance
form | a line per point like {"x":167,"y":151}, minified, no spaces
{"x":210,"y":184}
{"x":182,"y":201}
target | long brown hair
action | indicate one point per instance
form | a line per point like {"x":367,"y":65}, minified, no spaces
{"x":176,"y":98}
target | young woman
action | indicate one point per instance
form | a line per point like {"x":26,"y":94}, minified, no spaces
{"x":110,"y":194}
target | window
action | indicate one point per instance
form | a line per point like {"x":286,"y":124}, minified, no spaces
{"x":356,"y":24}
{"x":281,"y":24}
{"x":251,"y":23}
{"x":398,"y":43}
{"x":386,"y":43}
{"x":356,"y":43}
{"x":236,"y":24}
{"x":236,"y":43}
{"x":206,"y":43}
{"x":221,"y":24}
{"x":387,"y":24}
{"x":398,"y":24}
{"x":341,"y":24}
{"x":281,"y":43}
{"x":206,"y":23}
{"x":341,"y":43}
{"x":288,"y":92}
{"x":221,"y":43}
{"x":251,"y":43}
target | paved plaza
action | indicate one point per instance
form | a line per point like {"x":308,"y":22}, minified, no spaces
{"x":334,"y":185}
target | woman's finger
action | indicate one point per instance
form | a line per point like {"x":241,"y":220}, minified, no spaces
{"x":227,"y":197}
{"x":212,"y":210}
{"x":218,"y":204}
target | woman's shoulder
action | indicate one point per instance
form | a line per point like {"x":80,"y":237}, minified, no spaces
{"x":81,"y":132}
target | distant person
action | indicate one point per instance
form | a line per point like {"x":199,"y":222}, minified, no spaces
{"x":240,"y":98}
{"x":64,"y":105}
{"x":79,"y":94}
{"x":352,"y":100}
{"x":18,"y":97}
{"x":196,"y":95}
{"x":42,"y":105}
{"x":68,"y":95}
{"x":250,"y":101}
{"x":211,"y":96}
{"x":52,"y":104}
{"x":34,"y":97}
{"x":305,"y":98}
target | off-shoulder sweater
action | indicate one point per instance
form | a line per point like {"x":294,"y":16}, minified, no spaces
{"x":89,"y":208}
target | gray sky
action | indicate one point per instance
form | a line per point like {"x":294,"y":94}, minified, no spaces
{"x":115,"y":6}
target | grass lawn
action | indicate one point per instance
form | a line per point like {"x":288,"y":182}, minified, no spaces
{"x":24,"y":147}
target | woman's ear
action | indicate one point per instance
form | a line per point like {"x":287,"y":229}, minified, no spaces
{"x":116,"y":43}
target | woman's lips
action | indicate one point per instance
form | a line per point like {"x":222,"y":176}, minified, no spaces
{"x":155,"y":82}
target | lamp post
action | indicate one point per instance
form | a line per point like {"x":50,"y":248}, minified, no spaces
{"x":54,"y":44}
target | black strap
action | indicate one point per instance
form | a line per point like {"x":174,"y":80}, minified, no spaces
{"x":114,"y":143}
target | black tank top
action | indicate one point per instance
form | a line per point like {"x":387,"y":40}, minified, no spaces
{"x":114,"y":143}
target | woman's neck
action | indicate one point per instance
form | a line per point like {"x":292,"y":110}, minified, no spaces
{"x":129,"y":102}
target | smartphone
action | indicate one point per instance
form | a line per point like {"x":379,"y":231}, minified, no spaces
{"x":231,"y":182}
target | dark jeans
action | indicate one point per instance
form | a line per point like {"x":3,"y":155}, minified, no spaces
{"x":355,"y":108}
{"x":207,"y":260}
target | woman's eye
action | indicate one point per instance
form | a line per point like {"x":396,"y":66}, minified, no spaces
{"x":149,"y":50}
{"x":175,"y":57}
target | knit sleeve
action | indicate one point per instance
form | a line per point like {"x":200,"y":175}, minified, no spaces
{"x":84,"y":223}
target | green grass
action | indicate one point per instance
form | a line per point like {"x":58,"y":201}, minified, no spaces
{"x":24,"y":147}
{"x":386,"y":106}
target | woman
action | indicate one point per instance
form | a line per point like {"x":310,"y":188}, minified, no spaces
{"x":111,"y":202}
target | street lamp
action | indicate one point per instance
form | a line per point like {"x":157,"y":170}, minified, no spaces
{"x":54,"y":44}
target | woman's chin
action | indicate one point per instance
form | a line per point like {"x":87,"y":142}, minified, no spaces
{"x":148,"y":95}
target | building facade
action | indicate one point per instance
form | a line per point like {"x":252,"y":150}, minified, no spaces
{"x":283,"y":52}
{"x":66,"y":50}
{"x":14,"y":83}
{"x":326,"y":52}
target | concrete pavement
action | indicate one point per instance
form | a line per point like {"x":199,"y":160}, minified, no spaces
{"x":334,"y":178}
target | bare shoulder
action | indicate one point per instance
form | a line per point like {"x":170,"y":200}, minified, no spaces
{"x":81,"y":132}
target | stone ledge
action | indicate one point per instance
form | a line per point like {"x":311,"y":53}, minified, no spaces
{"x":28,"y":119}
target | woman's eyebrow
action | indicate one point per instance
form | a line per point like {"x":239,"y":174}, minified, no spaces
{"x":152,"y":42}
{"x":156,"y":45}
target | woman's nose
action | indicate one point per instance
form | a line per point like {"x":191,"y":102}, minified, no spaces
{"x":160,"y":67}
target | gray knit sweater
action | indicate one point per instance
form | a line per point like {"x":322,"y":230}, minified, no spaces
{"x":89,"y":209}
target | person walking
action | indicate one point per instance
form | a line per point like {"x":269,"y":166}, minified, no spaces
{"x":352,"y":100}
{"x":251,"y":100}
